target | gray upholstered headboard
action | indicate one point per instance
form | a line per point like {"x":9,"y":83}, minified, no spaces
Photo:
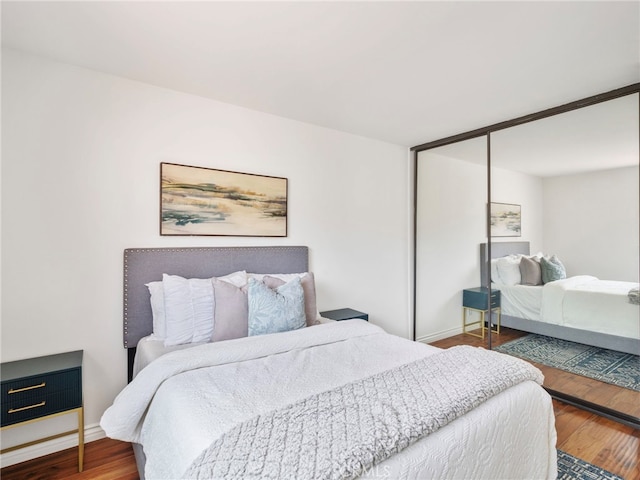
{"x":499,"y":249}
{"x":144,"y":265}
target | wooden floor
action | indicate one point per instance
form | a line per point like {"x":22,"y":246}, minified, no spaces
{"x":104,"y":459}
{"x":608,"y":444}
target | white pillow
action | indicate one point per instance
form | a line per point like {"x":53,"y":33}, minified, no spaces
{"x":495,"y":276}
{"x":188,"y":307}
{"x":509,"y":270}
{"x":158,"y":309}
{"x":239,"y":279}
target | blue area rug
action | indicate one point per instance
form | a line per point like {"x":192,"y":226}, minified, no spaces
{"x":617,"y":368}
{"x":570,"y":468}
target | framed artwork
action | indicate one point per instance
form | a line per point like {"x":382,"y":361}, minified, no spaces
{"x":506,"y":220}
{"x":206,"y":201}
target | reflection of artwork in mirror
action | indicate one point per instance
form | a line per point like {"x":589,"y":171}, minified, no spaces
{"x":506,"y":220}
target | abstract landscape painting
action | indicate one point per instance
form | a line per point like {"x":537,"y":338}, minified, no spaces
{"x":506,"y":220}
{"x":205,"y":201}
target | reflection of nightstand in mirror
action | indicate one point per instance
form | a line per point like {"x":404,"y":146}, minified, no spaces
{"x":344,"y":314}
{"x":475,"y":299}
{"x":39,"y":388}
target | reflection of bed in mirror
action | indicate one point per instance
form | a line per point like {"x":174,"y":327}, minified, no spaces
{"x":582,"y":309}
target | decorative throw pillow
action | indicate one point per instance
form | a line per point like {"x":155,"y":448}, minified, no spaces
{"x":530,"y":271}
{"x":188,"y":307}
{"x":308,"y":287}
{"x":552,"y":269}
{"x":273,"y":311}
{"x":231,"y":311}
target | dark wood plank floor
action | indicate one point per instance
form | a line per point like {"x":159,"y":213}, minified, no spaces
{"x":608,"y":444}
{"x":104,"y":459}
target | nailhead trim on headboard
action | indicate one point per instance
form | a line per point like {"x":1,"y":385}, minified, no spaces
{"x":143,"y":265}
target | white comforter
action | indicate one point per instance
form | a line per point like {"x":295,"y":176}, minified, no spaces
{"x":181,"y":402}
{"x":587,"y":303}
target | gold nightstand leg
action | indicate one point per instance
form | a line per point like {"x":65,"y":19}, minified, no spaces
{"x":80,"y":439}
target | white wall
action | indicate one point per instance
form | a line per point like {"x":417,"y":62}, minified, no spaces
{"x":591,"y":223}
{"x":452,"y":195}
{"x":508,"y":186}
{"x":80,"y":182}
{"x":451,"y":224}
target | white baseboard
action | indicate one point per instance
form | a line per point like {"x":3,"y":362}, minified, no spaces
{"x":91,"y":434}
{"x":440,"y":335}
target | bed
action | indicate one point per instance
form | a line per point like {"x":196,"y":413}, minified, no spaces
{"x":329,"y":400}
{"x":581,"y":308}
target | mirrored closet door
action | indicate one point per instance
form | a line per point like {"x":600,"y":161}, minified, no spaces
{"x":560,"y":189}
{"x":569,"y":184}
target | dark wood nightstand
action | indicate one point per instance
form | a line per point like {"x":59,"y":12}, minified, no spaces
{"x":35,"y":389}
{"x":475,"y":299}
{"x":344,"y":314}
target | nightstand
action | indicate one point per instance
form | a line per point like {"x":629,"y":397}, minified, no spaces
{"x":475,"y":299}
{"x":344,"y":314}
{"x":40,"y":388}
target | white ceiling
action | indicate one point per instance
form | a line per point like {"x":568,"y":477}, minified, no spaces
{"x":401,"y":72}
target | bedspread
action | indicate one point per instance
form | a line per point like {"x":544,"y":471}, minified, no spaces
{"x":588,"y":303}
{"x":344,"y":432}
{"x":183,"y":401}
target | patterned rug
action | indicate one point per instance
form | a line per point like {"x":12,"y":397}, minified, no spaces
{"x":617,"y":368}
{"x":572,"y":468}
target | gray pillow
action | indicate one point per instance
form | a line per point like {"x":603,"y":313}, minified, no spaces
{"x":530,"y":271}
{"x":552,"y":269}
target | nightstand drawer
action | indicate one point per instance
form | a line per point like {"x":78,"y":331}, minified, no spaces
{"x":15,"y":412}
{"x":477,"y":298}
{"x":33,"y":397}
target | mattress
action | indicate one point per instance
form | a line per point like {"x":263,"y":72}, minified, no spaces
{"x":511,"y":435}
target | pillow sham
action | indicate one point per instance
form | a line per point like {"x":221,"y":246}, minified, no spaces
{"x":495,"y":276}
{"x":188,"y":307}
{"x":158,"y":309}
{"x":309,"y":289}
{"x":552,"y":269}
{"x":274,"y":311}
{"x":530,"y":271}
{"x":230,"y":311}
{"x":308,"y":285}
{"x":509,"y":270}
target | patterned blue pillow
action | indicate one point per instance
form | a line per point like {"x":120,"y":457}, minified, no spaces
{"x":552,"y":269}
{"x":273,"y":311}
